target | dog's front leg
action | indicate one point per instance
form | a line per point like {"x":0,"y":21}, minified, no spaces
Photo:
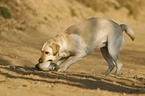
{"x":71,"y":61}
{"x":62,"y":60}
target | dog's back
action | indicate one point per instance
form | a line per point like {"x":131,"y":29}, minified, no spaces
{"x":94,"y":32}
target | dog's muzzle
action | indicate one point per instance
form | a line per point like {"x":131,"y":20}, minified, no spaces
{"x":47,"y":66}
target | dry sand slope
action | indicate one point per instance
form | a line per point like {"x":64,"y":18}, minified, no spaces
{"x":35,"y":21}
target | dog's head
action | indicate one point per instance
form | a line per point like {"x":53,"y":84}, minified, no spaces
{"x":49,"y":52}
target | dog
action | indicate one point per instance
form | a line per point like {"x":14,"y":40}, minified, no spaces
{"x":80,"y":39}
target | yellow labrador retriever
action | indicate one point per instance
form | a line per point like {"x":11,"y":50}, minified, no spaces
{"x":80,"y":39}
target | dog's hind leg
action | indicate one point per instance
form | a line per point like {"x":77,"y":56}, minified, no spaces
{"x":113,"y":49}
{"x":118,"y":65}
{"x":108,"y":58}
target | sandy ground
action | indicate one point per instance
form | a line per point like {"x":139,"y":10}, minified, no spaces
{"x":22,"y":38}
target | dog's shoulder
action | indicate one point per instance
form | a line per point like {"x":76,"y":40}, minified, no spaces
{"x":74,"y":29}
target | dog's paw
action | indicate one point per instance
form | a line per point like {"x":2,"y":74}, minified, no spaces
{"x":115,"y":74}
{"x":103,"y":73}
{"x":61,"y":70}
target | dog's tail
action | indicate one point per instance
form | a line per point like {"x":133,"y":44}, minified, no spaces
{"x":128,"y":31}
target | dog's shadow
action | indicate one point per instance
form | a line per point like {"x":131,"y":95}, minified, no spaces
{"x":80,"y":80}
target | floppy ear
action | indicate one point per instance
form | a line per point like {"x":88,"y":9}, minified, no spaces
{"x":55,"y":48}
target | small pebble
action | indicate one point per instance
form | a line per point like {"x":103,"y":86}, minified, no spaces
{"x":50,"y":86}
{"x":135,"y":77}
{"x":24,"y":85}
{"x":114,"y":82}
{"x":31,"y":75}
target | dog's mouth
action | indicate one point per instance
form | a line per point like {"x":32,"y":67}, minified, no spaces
{"x":50,"y":60}
{"x":53,"y":67}
{"x":50,"y":67}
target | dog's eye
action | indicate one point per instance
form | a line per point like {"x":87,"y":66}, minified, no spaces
{"x":46,"y":52}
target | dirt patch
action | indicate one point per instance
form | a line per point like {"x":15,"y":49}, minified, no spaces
{"x":18,"y":78}
{"x":33,"y":22}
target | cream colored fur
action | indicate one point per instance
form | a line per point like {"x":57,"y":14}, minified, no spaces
{"x":80,"y":39}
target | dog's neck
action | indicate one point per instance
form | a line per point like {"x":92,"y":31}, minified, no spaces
{"x":62,"y":41}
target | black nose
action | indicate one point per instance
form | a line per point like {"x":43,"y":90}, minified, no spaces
{"x":37,"y":67}
{"x":40,"y":60}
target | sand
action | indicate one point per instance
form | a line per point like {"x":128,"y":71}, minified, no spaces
{"x":34,"y":22}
